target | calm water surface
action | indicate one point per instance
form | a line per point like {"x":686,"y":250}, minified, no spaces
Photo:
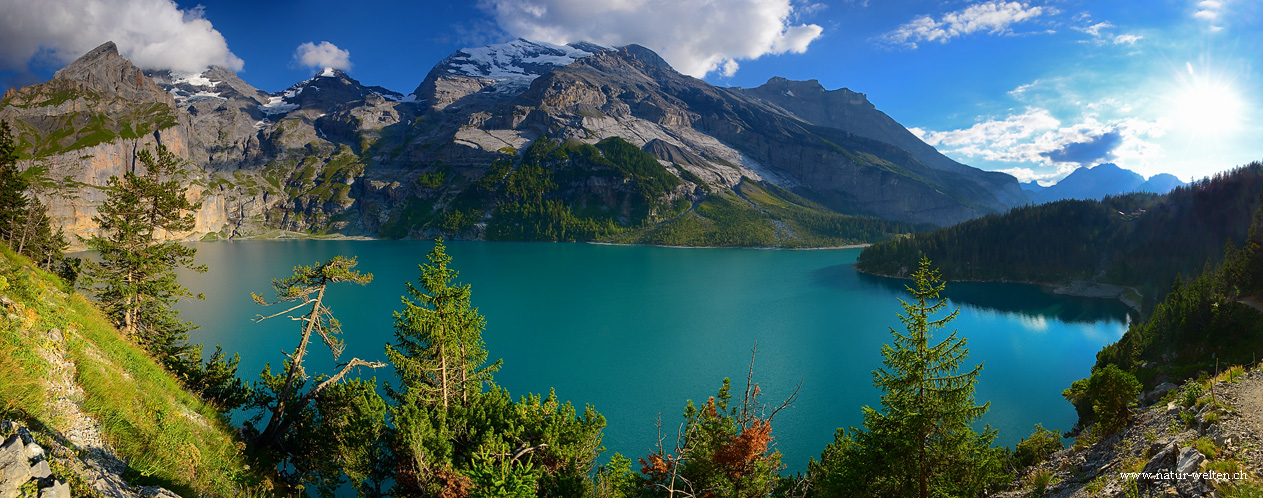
{"x":636,"y":331}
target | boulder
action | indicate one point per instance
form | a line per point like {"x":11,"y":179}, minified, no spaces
{"x":40,"y":469}
{"x":1158,"y":392}
{"x":59,"y":489}
{"x":1162,"y":460}
{"x":1189,"y":460}
{"x":55,"y":335}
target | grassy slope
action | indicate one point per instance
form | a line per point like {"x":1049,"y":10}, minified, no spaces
{"x":169,"y":437}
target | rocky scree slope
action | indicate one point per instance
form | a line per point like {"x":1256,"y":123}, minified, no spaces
{"x":332,"y":155}
{"x":1214,"y":425}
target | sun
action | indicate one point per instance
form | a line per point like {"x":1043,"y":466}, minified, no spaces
{"x":1205,"y":107}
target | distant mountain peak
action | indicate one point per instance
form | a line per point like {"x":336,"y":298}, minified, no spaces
{"x":103,"y":70}
{"x":325,"y":90}
{"x":645,"y":56}
{"x":1098,"y":181}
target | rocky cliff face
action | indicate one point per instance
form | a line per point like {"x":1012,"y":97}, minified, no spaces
{"x":331,"y":154}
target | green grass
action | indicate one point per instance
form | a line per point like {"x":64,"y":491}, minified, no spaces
{"x":168,"y":436}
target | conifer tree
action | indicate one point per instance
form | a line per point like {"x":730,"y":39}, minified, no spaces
{"x":135,"y":281}
{"x":921,"y":443}
{"x":13,"y":200}
{"x":457,"y":434}
{"x":439,"y":352}
{"x":306,"y":287}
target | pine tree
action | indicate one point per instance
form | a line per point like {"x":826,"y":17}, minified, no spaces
{"x":135,"y":281}
{"x":307,"y":287}
{"x":922,"y":442}
{"x":439,"y":352}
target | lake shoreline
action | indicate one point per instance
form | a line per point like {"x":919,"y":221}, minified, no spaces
{"x":1077,"y":288}
{"x":763,"y":248}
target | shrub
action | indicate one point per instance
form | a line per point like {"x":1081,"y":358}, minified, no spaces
{"x":1191,"y":393}
{"x":1036,"y":448}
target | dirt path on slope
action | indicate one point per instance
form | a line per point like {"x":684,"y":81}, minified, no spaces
{"x":1251,"y":404}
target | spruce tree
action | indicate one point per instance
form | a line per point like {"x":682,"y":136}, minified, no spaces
{"x":921,"y":443}
{"x":439,"y":352}
{"x":455,"y":433}
{"x":135,"y":280}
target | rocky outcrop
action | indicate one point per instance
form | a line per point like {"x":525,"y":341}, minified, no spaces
{"x":1168,"y":449}
{"x":22,"y":461}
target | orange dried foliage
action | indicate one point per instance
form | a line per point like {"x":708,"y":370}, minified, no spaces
{"x":747,"y":447}
{"x":455,"y":484}
{"x":710,"y":409}
{"x":656,"y":466}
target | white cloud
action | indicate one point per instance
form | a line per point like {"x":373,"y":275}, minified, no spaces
{"x":1025,"y":174}
{"x":993,"y":17}
{"x":154,"y":34}
{"x":695,"y":36}
{"x":1210,"y":4}
{"x":1127,"y":39}
{"x":1036,"y":137}
{"x":1095,"y":29}
{"x":322,"y":56}
{"x":1206,"y":14}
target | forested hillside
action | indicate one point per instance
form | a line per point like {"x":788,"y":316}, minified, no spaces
{"x":1136,"y":240}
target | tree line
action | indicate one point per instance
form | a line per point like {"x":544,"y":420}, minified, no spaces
{"x":1138,"y":240}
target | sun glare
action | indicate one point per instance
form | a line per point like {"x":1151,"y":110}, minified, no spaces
{"x":1206,"y":108}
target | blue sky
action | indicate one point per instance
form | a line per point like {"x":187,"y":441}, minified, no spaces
{"x":1034,"y":88}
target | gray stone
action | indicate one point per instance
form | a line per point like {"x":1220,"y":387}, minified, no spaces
{"x":34,"y":451}
{"x":1164,"y":459}
{"x":59,"y":489}
{"x":55,"y":335}
{"x":1189,"y":460}
{"x":40,"y":470}
{"x":1158,"y":392}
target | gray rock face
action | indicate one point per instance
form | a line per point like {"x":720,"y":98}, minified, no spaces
{"x":625,"y":93}
{"x":853,"y":113}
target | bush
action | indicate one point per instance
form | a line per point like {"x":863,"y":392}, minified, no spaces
{"x":1037,"y":448}
{"x":1109,"y":393}
{"x":1191,"y":393}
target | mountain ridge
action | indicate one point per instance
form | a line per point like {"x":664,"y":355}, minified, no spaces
{"x":1099,"y":181}
{"x":330,"y":154}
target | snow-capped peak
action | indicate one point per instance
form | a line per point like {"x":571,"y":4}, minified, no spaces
{"x":513,"y":64}
{"x":192,"y":79}
{"x":327,"y":73}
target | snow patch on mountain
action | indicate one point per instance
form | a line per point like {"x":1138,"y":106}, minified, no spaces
{"x":194,"y":79}
{"x":515,"y":64}
{"x":278,"y":105}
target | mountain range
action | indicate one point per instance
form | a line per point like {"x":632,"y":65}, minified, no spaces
{"x":1099,"y":181}
{"x":520,"y":140}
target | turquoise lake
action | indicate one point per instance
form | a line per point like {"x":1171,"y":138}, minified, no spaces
{"x":637,"y":331}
